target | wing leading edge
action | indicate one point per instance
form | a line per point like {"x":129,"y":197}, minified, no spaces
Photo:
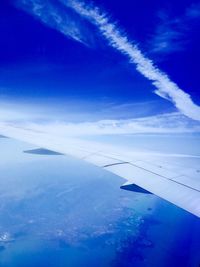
{"x":177,"y":184}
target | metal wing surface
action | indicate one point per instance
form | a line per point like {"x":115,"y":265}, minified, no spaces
{"x":175,"y":178}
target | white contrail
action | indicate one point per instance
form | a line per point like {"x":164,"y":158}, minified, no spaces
{"x":164,"y":86}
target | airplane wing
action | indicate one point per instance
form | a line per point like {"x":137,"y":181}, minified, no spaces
{"x":171,"y":177}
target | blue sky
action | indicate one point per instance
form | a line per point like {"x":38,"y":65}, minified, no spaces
{"x":55,"y":53}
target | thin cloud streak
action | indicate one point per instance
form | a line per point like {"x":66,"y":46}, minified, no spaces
{"x":165,"y":88}
{"x":56,"y":17}
{"x":171,"y":123}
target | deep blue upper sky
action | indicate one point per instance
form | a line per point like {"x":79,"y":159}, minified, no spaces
{"x":37,"y":61}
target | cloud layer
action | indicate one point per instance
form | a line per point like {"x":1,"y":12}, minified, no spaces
{"x":172,"y":123}
{"x":72,"y":121}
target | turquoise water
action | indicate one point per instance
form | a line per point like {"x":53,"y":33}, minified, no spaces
{"x":58,"y":211}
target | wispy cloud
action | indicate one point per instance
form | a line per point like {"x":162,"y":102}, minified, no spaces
{"x":118,"y":40}
{"x":171,"y":34}
{"x":193,"y":12}
{"x":58,"y":17}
